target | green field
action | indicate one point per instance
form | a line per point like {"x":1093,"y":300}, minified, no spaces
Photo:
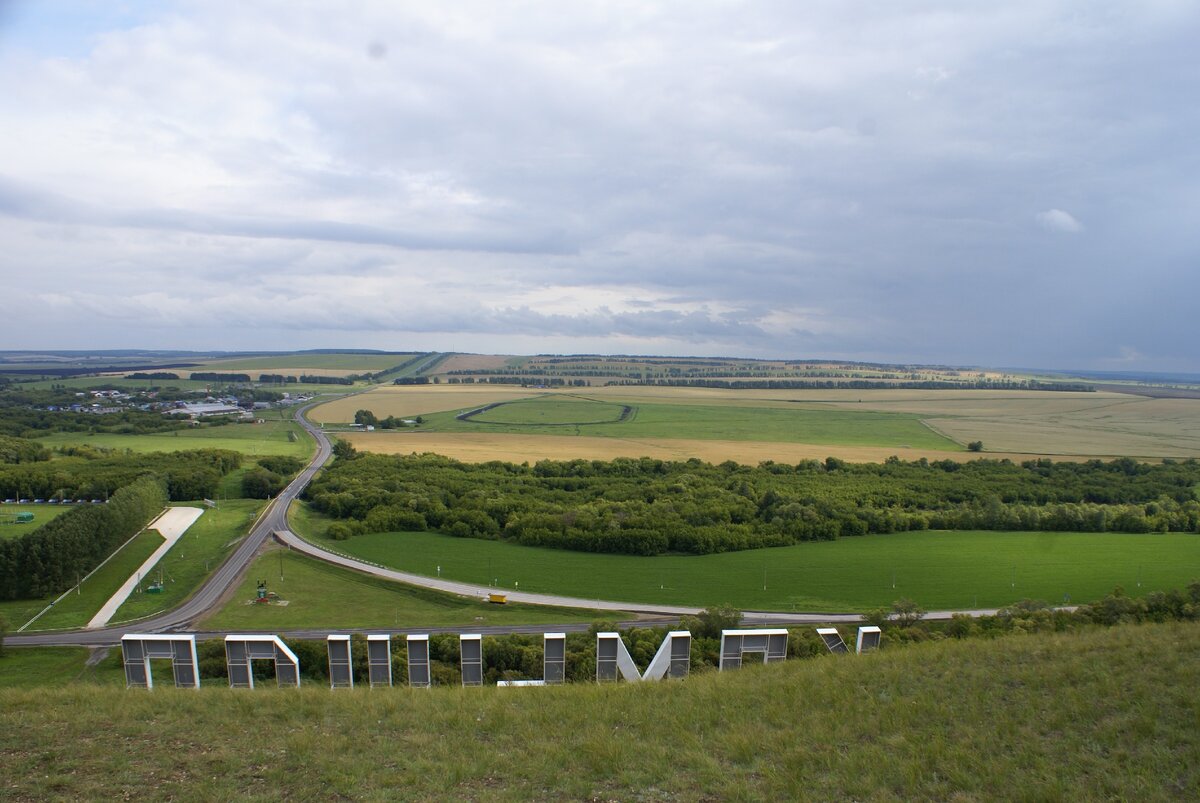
{"x":267,"y":438}
{"x":27,"y":668}
{"x":939,"y":570}
{"x":77,"y":608}
{"x":9,"y":528}
{"x":801,"y":424}
{"x":1104,"y":714}
{"x":321,"y":595}
{"x":550,"y":411}
{"x":195,"y":555}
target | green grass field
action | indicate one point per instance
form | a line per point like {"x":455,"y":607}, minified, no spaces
{"x":1104,"y":714}
{"x":195,"y":555}
{"x":552,"y":411}
{"x":9,"y":528}
{"x":939,"y":570}
{"x":76,"y":609}
{"x":321,"y":595}
{"x":796,"y":425}
{"x":268,"y":438}
{"x":54,"y":666}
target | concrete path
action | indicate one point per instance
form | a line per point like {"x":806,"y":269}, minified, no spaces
{"x":172,"y":524}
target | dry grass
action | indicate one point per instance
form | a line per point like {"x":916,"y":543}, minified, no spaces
{"x":482,"y":447}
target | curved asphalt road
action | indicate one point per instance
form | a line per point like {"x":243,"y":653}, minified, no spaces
{"x":274,"y":521}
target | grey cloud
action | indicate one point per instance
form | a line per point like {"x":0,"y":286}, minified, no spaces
{"x":775,"y":177}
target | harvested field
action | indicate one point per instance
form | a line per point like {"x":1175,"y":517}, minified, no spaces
{"x":308,"y":363}
{"x":473,"y":362}
{"x":482,"y":447}
{"x":286,"y":370}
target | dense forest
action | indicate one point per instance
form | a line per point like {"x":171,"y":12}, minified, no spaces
{"x":86,"y":473}
{"x":648,"y":507}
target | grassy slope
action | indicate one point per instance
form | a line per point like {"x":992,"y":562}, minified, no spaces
{"x":41,"y":514}
{"x":321,"y":595}
{"x":938,"y":569}
{"x":800,"y":425}
{"x":76,"y":609}
{"x":1106,"y":714}
{"x":44,"y":667}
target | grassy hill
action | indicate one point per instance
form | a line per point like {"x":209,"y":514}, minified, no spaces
{"x":1103,"y":714}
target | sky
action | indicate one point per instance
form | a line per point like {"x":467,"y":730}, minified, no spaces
{"x":997,"y":184}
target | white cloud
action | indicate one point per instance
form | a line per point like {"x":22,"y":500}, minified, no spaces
{"x":1058,"y":220}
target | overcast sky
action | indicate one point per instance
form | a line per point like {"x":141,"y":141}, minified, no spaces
{"x":1002,"y":184}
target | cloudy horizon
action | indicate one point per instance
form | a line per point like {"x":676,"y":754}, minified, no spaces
{"x":926,"y":182}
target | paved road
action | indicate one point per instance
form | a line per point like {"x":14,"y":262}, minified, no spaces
{"x":225,"y":577}
{"x":274,"y":522}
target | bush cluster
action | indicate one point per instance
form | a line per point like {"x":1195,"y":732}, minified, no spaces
{"x":271,"y":476}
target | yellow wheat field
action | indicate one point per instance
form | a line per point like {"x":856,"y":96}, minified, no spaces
{"x":481,"y":447}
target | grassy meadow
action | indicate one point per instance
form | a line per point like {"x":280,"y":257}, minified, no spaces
{"x":1104,"y":714}
{"x":937,"y":569}
{"x":322,"y":595}
{"x":552,"y":411}
{"x":272,"y":437}
{"x":42,"y":667}
{"x":9,"y":528}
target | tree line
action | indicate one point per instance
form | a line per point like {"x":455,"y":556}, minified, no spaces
{"x":53,"y":557}
{"x":648,"y":507}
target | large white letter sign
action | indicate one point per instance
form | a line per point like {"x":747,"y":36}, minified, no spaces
{"x":470,"y":659}
{"x":673,"y":659}
{"x":554,"y":657}
{"x":418,"y":661}
{"x":772,"y":644}
{"x":554,"y":662}
{"x":832,"y":638}
{"x":379,"y":659}
{"x":868,"y":639}
{"x":341,"y":673}
{"x":241,"y":651}
{"x":138,"y":650}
